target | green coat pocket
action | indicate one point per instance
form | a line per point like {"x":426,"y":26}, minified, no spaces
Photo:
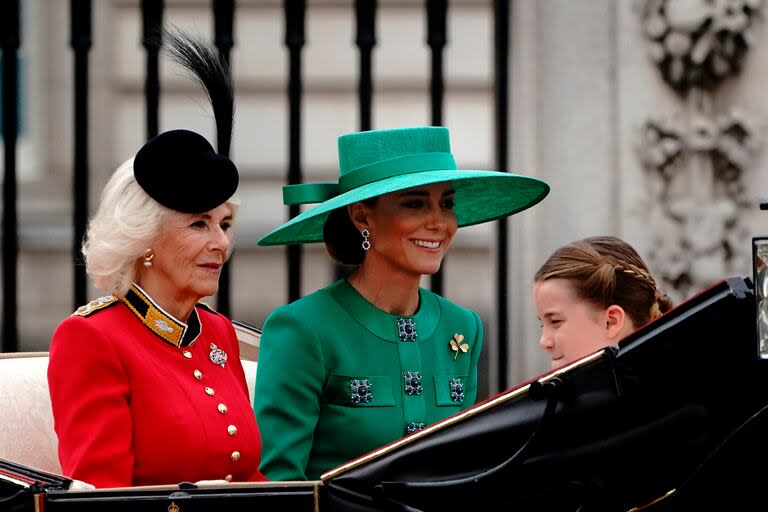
{"x":360,"y":391}
{"x":449,"y":390}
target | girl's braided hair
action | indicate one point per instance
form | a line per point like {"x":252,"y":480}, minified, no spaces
{"x":606,"y":270}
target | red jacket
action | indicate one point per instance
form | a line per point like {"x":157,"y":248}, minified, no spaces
{"x":131,"y":408}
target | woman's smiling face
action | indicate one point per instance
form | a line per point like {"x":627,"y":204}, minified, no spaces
{"x":411,"y":230}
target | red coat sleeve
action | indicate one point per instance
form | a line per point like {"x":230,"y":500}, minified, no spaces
{"x":90,"y":398}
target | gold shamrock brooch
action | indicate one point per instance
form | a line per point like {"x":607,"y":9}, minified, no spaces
{"x":456,"y":345}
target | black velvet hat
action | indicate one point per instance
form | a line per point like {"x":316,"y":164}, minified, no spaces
{"x":179,"y":168}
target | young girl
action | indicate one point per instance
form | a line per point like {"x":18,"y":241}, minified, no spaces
{"x":592,"y":293}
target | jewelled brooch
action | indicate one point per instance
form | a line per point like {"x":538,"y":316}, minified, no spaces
{"x":406,"y":329}
{"x":217,"y":356}
{"x":457,"y":390}
{"x":414,"y":426}
{"x":360,"y":391}
{"x":412,"y":383}
{"x":457,"y":345}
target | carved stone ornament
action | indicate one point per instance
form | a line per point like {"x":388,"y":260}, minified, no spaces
{"x":697,"y":201}
{"x":698,"y":43}
{"x":728,"y":141}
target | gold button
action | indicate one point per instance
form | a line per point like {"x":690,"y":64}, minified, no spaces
{"x":232,"y":430}
{"x":223,"y":409}
{"x":228,"y":478}
{"x":235,"y":455}
{"x":198,"y":374}
{"x":187,"y":354}
{"x":210,"y":391}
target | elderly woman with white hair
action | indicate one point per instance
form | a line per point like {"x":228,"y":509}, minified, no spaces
{"x":146,"y":383}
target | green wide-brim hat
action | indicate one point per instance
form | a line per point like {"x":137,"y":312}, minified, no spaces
{"x":379,"y":162}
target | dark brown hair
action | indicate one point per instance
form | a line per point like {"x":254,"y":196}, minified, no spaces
{"x":342,"y":239}
{"x":606,"y":270}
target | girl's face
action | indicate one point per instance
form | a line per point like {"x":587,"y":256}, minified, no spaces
{"x":411,"y":230}
{"x":572,"y":327}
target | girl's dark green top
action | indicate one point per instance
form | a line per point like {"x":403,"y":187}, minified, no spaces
{"x":336,"y":379}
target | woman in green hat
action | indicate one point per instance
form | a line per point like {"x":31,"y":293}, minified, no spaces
{"x":374,"y":357}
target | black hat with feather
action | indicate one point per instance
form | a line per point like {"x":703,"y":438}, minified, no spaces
{"x":179,"y":168}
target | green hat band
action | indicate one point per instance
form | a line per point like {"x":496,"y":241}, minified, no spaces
{"x":396,"y":166}
{"x":307,"y":193}
{"x":405,"y":164}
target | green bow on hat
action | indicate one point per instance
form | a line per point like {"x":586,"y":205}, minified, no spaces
{"x":379,"y":162}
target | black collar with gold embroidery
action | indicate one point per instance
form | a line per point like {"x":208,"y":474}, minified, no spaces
{"x":159,"y":321}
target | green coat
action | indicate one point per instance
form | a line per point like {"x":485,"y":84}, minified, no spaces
{"x":332,"y":382}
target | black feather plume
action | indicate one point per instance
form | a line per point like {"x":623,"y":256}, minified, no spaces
{"x":206,"y":65}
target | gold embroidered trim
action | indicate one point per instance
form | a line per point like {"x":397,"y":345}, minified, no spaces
{"x":95,"y":305}
{"x":157,"y":320}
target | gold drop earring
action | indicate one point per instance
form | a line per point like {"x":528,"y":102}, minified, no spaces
{"x":148,"y":257}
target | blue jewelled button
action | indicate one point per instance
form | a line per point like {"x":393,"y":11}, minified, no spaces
{"x":457,"y":390}
{"x":412,"y":383}
{"x":360,"y":391}
{"x":414,"y":426}
{"x":406,"y":329}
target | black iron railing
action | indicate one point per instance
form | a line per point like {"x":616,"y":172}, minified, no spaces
{"x":10,"y":39}
{"x":80,"y":42}
{"x":152,"y":20}
{"x":501,"y":20}
{"x":365,"y":40}
{"x":437,"y":37}
{"x":224,"y":39}
{"x":294,"y":39}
